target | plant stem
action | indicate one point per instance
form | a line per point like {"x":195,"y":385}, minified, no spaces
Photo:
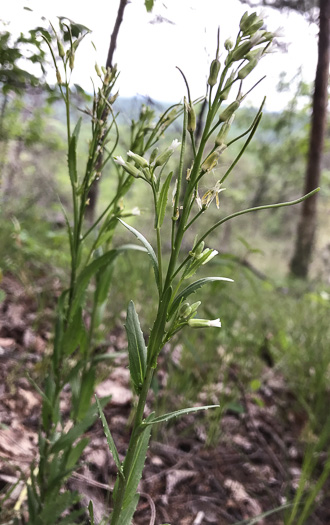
{"x":122,"y":483}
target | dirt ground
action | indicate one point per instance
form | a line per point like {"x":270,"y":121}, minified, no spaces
{"x":254,"y":468}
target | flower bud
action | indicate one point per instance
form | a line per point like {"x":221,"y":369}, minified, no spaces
{"x":71,"y":61}
{"x":227,"y":113}
{"x":58,"y":76}
{"x":97,"y":69}
{"x":243,"y":21}
{"x":225,"y":92}
{"x":60,"y":48}
{"x":229,"y":44}
{"x":246,"y":70}
{"x":210,"y":162}
{"x":129,"y":168}
{"x":198,"y":251}
{"x":204,"y":323}
{"x":138,"y":159}
{"x":185,"y":310}
{"x":222,"y":135}
{"x":214,"y":72}
{"x":241,"y":50}
{"x":153,"y":155}
{"x":211,"y":254}
{"x":191,"y":120}
{"x":104,"y":70}
{"x":114,"y":97}
{"x":164,"y":157}
{"x":194,"y":307}
{"x":255,"y":27}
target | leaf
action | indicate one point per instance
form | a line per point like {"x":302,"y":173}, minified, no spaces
{"x":86,"y":391}
{"x":91,"y":512}
{"x":74,"y":333}
{"x":135,"y":473}
{"x":148,"y":247}
{"x":162,"y":201}
{"x":149,"y":5}
{"x":72,"y":160}
{"x":137,"y":351}
{"x":66,"y":440}
{"x":192,"y":289}
{"x":76,"y":130}
{"x":76,"y":453}
{"x":177,"y":413}
{"x":87,"y":274}
{"x":111,"y":443}
{"x":126,"y":515}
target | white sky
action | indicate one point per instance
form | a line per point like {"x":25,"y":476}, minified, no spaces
{"x":147,"y":52}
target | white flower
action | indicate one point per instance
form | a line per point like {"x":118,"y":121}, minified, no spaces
{"x":130,"y":153}
{"x":136,"y":211}
{"x":175,"y":144}
{"x":119,"y":160}
{"x":216,"y":323}
{"x":212,"y":254}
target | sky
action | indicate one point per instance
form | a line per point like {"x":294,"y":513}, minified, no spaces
{"x":148,"y":52}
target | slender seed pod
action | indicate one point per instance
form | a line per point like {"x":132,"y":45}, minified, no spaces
{"x":229,"y":111}
{"x":214,"y":72}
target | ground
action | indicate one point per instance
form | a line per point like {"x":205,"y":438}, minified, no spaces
{"x":254,"y":466}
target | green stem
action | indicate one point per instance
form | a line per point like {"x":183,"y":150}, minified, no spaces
{"x":122,"y":483}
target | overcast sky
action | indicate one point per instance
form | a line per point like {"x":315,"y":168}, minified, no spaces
{"x":147,"y":51}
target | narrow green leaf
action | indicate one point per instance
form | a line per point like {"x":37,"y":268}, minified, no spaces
{"x":86,"y":391}
{"x":91,"y":512}
{"x":135,"y":473}
{"x":126,"y":515}
{"x":177,"y":413}
{"x":162,"y":201}
{"x":74,"y":333}
{"x":67,"y":440}
{"x":72,"y":160}
{"x":111,"y":443}
{"x":137,"y":351}
{"x":75,"y":453}
{"x":86,"y":275}
{"x":76,"y":130}
{"x":192,"y":289}
{"x":148,"y":247}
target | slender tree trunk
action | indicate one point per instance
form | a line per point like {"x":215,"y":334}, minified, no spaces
{"x":300,"y":261}
{"x":94,"y":191}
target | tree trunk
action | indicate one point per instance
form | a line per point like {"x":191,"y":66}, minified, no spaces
{"x":300,"y":261}
{"x":94,"y":190}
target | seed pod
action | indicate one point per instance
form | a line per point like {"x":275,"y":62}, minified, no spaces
{"x":214,"y":72}
{"x":246,"y":70}
{"x":60,"y":48}
{"x":229,"y":111}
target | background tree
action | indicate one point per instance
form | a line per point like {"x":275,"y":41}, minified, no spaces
{"x":300,"y":261}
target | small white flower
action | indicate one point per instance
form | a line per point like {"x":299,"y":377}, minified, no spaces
{"x":175,"y":144}
{"x":136,"y":211}
{"x":119,"y":160}
{"x":212,"y":254}
{"x":216,"y":323}
{"x":130,"y":153}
